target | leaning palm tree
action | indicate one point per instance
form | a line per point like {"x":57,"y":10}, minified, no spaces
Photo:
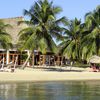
{"x":43,"y":27}
{"x":5,"y":38}
{"x":92,"y":40}
{"x":72,"y":40}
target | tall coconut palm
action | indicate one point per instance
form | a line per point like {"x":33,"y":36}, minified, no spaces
{"x":43,"y":27}
{"x":5,"y":38}
{"x":72,"y":40}
{"x":92,"y":40}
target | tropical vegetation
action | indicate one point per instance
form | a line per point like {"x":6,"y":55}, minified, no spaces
{"x":71,"y":44}
{"x":5,"y":38}
{"x":82,"y":40}
{"x":79,"y":41}
{"x":43,"y":27}
{"x":92,"y":39}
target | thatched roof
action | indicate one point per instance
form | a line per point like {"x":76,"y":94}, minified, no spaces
{"x":15,"y":27}
{"x":94,"y":59}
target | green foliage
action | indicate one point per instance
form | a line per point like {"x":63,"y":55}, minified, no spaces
{"x":42,"y":27}
{"x":72,"y":39}
{"x":81,"y":65}
{"x":91,"y":41}
{"x":24,"y":56}
{"x":5,"y":38}
{"x":78,"y":40}
{"x":82,"y":40}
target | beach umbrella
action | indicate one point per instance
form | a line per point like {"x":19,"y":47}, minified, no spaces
{"x":94,"y":59}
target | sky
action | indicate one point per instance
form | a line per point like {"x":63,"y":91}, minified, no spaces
{"x":71,"y":8}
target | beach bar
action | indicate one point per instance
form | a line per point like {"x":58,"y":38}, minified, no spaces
{"x":10,"y":55}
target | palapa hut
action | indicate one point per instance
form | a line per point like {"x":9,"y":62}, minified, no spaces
{"x":11,"y":54}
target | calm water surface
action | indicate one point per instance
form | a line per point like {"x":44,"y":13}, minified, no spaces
{"x":72,"y":90}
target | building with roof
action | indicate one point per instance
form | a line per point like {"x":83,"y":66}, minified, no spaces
{"x":11,"y":54}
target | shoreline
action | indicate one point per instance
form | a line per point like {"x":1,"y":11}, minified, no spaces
{"x":35,"y":75}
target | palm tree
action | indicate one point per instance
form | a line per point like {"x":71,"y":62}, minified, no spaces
{"x":72,"y":40}
{"x":92,"y":39}
{"x":5,"y":38}
{"x":43,"y":27}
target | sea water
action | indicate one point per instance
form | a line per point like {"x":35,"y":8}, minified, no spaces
{"x":66,"y":90}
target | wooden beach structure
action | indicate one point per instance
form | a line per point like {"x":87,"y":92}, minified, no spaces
{"x":10,"y":55}
{"x":49,"y":59}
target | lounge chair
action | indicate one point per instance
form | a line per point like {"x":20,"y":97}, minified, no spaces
{"x":8,"y":67}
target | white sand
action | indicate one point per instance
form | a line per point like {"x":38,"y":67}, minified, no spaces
{"x":30,"y":74}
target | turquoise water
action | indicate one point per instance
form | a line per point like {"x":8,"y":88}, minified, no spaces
{"x":89,"y":90}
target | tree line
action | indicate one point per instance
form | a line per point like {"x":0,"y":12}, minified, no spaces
{"x":78,"y":41}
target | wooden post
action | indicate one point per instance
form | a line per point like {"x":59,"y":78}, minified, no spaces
{"x":62,"y":61}
{"x":33,"y":59}
{"x":3,"y":63}
{"x":58,"y":60}
{"x":44,"y":59}
{"x":7,"y":57}
{"x":49,"y":59}
{"x":13,"y":57}
{"x":41,"y":59}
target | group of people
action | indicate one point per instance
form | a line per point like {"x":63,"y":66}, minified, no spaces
{"x":94,"y":68}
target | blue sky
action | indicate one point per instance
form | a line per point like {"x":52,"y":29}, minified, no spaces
{"x":71,"y":8}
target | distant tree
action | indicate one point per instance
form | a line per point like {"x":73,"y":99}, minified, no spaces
{"x":72,"y":40}
{"x":92,"y":39}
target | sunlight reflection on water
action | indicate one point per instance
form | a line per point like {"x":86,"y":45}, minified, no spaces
{"x":72,"y":90}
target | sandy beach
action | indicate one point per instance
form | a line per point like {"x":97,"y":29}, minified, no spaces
{"x":33,"y":75}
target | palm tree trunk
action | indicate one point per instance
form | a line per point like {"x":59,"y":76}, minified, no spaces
{"x":33,"y":60}
{"x":25,"y":63}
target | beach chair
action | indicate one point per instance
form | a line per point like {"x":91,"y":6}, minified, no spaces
{"x":8,"y":67}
